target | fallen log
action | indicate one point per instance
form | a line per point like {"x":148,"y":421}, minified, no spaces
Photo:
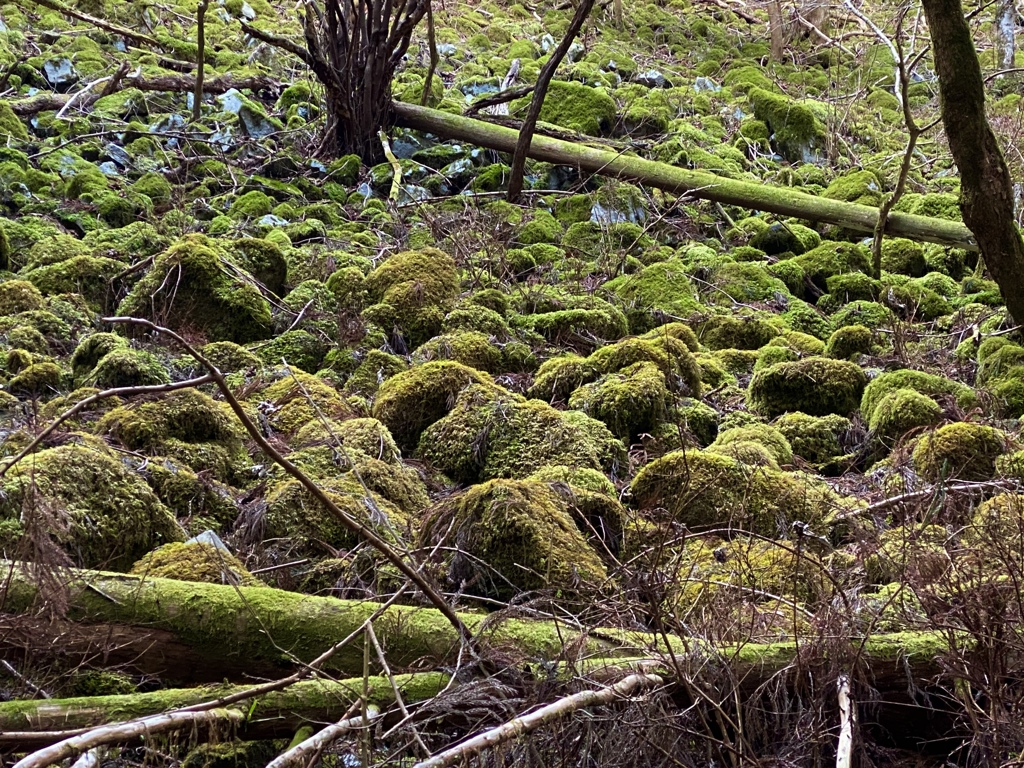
{"x":681,"y":181}
{"x":191,"y":631}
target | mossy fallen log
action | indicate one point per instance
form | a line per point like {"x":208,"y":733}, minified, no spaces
{"x":273,"y":714}
{"x":189,"y":631}
{"x":699,"y":184}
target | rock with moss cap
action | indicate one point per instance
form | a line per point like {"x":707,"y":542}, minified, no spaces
{"x":198,"y":501}
{"x":513,"y":536}
{"x":101,"y":513}
{"x":667,"y":352}
{"x":374,"y":369}
{"x":703,"y":489}
{"x":736,"y":332}
{"x":830,"y":259}
{"x":963,"y":451}
{"x":575,"y":106}
{"x":412,"y":291}
{"x":774,"y":442}
{"x":19,"y":296}
{"x":815,"y":439}
{"x":194,"y":561}
{"x":230,"y":357}
{"x":926,"y":383}
{"x":125,"y":367}
{"x":192,"y":285}
{"x":654,"y":293}
{"x":412,"y":400}
{"x":849,"y":341}
{"x":797,"y":134}
{"x":901,"y":411}
{"x":815,"y":385}
{"x":491,"y":434}
{"x":43,"y":379}
{"x":630,"y":402}
{"x":292,"y":398}
{"x":468,"y":347}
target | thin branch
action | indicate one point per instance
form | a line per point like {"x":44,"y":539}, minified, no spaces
{"x":124,"y":32}
{"x":547,"y":714}
{"x":304,"y":750}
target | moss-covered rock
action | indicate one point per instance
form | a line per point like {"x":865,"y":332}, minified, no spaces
{"x":192,"y":286}
{"x":469,"y":348}
{"x":903,"y":257}
{"x":849,"y":341}
{"x":511,"y":536}
{"x":295,"y":398}
{"x":815,"y":385}
{"x":926,"y":383}
{"x":194,"y":561}
{"x":412,"y":291}
{"x":629,"y":402}
{"x":771,"y":438}
{"x":19,"y":296}
{"x":490,"y":434}
{"x":43,"y":379}
{"x":736,"y":332}
{"x":128,"y":368}
{"x":656,"y":292}
{"x":815,"y":439}
{"x":899,"y":412}
{"x":412,"y":400}
{"x":861,"y":187}
{"x":830,"y":259}
{"x":81,"y":496}
{"x":797,"y":134}
{"x":575,"y":106}
{"x":963,"y":451}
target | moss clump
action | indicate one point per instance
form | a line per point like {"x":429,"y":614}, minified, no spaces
{"x":963,"y":450}
{"x":732,"y":332}
{"x":197,"y":501}
{"x":654,"y":293}
{"x":769,"y":437}
{"x":925,"y":383}
{"x":297,"y":348}
{"x":574,"y":106}
{"x":194,"y":561}
{"x":128,"y":368}
{"x":816,"y":385}
{"x":849,"y":341}
{"x":230,"y":357}
{"x":912,"y":552}
{"x":703,"y":489}
{"x":630,"y":402}
{"x":85,"y":275}
{"x":297,"y":398}
{"x":899,"y":412}
{"x":998,"y":364}
{"x":252,"y":205}
{"x":560,"y":376}
{"x":815,"y":439}
{"x":412,"y":400}
{"x":867,"y":313}
{"x":830,"y":259}
{"x":513,"y":536}
{"x":19,"y":296}
{"x":491,"y":434}
{"x":37,"y":380}
{"x":796,"y":132}
{"x":102,"y":514}
{"x":411,"y":293}
{"x":376,"y":368}
{"x":189,"y":286}
{"x":903,"y":257}
{"x":861,"y":187}
{"x":671,"y":356}
{"x":92,"y":349}
{"x":469,"y":348}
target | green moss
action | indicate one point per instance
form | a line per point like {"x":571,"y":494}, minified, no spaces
{"x":831,"y":258}
{"x":412,"y":292}
{"x":583,"y":327}
{"x":703,"y":489}
{"x":656,"y":292}
{"x":412,"y":400}
{"x":297,"y":398}
{"x":92,"y":349}
{"x":816,"y":385}
{"x":376,"y":368}
{"x":903,"y":257}
{"x":19,"y":296}
{"x":999,"y":362}
{"x":469,"y":348}
{"x":849,"y":341}
{"x":736,"y":332}
{"x":899,"y":412}
{"x":962,"y":450}
{"x":490,"y":434}
{"x":861,"y":187}
{"x":542,"y":228}
{"x":10,"y":125}
{"x":796,"y":132}
{"x":630,"y":402}
{"x":85,"y":275}
{"x":867,"y":313}
{"x":297,"y":348}
{"x":193,"y":561}
{"x":772,"y":439}
{"x":574,"y":106}
{"x":37,"y":380}
{"x":189,"y":286}
{"x":513,"y":536}
{"x":95,"y":508}
{"x":187,"y":415}
{"x":560,"y":376}
{"x":671,"y":356}
{"x":122,"y":367}
{"x":785,"y":238}
{"x":914,"y":551}
{"x":925,"y":383}
{"x":230,"y":357}
{"x":199,"y":502}
{"x":852,"y":286}
{"x":815,"y":439}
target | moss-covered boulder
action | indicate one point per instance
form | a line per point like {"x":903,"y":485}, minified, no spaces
{"x":797,"y":134}
{"x":851,"y":340}
{"x":704,"y":489}
{"x":293,"y":398}
{"x":629,"y":402}
{"x":92,"y":349}
{"x":468,"y":347}
{"x":411,"y":292}
{"x":412,"y":400}
{"x":194,"y":561}
{"x":736,"y":331}
{"x":964,"y":451}
{"x":770,"y":438}
{"x":490,"y":434}
{"x":575,"y":106}
{"x":83,"y":498}
{"x":815,"y":439}
{"x":815,"y":385}
{"x":926,"y":383}
{"x":830,"y":259}
{"x":193,"y":287}
{"x":511,"y":536}
{"x":899,"y":412}
{"x":658,"y":291}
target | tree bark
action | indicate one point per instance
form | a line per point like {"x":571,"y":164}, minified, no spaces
{"x":986,"y":189}
{"x":697,"y":184}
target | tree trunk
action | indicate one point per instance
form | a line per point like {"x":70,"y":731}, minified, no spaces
{"x":697,"y":184}
{"x":986,"y":189}
{"x":1004,"y":33}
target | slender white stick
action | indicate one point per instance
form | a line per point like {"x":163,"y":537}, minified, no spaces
{"x":324,"y":738}
{"x":88,"y":87}
{"x":546,"y":714}
{"x":847,"y":721}
{"x":90,"y":759}
{"x":122,"y":732}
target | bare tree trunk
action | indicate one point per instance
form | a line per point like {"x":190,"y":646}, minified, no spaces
{"x":986,"y":189}
{"x":1004,"y":33}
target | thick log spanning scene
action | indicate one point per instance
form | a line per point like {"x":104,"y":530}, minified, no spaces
{"x":490,"y":383}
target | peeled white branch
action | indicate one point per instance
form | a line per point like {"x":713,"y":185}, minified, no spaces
{"x":533,"y":720}
{"x":298,"y":754}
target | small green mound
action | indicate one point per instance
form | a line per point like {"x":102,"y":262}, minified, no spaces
{"x":815,"y":439}
{"x":816,"y":385}
{"x":411,"y":292}
{"x":962,"y":451}
{"x":193,"y":561}
{"x":849,"y":341}
{"x":469,"y":348}
{"x":575,"y":106}
{"x":899,"y":412}
{"x":630,"y":402}
{"x":925,"y":383}
{"x":513,"y":536}
{"x":769,"y":437}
